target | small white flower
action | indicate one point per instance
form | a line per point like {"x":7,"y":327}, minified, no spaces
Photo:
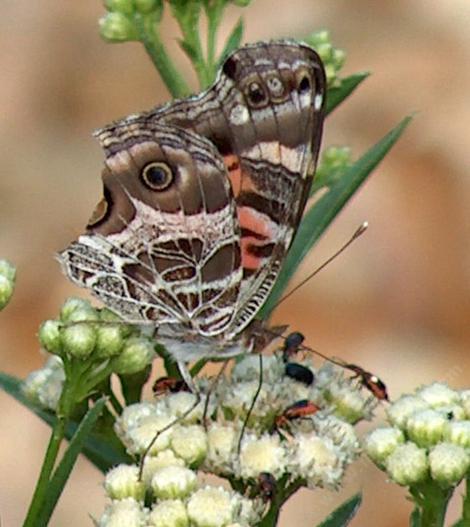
{"x":316,"y":460}
{"x":165,"y":458}
{"x":173,"y":482}
{"x":133,"y":415}
{"x":399,"y":412}
{"x":248,"y":369}
{"x":438,"y":394}
{"x":124,"y":513}
{"x":169,"y":513}
{"x":426,"y":427}
{"x":261,"y":454}
{"x":452,"y":412}
{"x":123,"y":482}
{"x":348,"y":402}
{"x":222,"y":440}
{"x":139,"y":438}
{"x":382,"y":442}
{"x":448,"y":463}
{"x":465,"y":400}
{"x":44,"y":386}
{"x":458,"y":433}
{"x":189,"y":443}
{"x":211,"y":507}
{"x":341,"y":433}
{"x":407,"y":464}
{"x":181,"y":403}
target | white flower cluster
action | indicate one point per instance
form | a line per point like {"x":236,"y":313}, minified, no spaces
{"x":314,"y":448}
{"x":429,"y":437}
{"x":44,"y":386}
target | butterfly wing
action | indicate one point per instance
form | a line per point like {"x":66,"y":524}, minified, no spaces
{"x":164,"y":243}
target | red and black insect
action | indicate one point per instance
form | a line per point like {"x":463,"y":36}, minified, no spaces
{"x":298,"y":410}
{"x":369,"y":381}
{"x":165,"y":385}
{"x":299,"y":373}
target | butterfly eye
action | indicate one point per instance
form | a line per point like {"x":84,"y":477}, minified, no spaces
{"x":256,"y":95}
{"x":157,"y":176}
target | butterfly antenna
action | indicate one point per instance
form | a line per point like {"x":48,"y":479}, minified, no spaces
{"x":359,"y":231}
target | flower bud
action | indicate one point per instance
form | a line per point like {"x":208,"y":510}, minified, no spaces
{"x":77,"y":309}
{"x":382,"y":442}
{"x":109,"y":341}
{"x":261,"y":454}
{"x":458,"y":433}
{"x":399,"y":412}
{"x":138,"y":353}
{"x":211,"y":507}
{"x":448,"y":463}
{"x":165,"y":458}
{"x":116,"y":27}
{"x":348,"y":402}
{"x":149,"y":6}
{"x":124,"y":513}
{"x":173,"y":483}
{"x":189,"y":443}
{"x":407,"y":465}
{"x":426,"y":428}
{"x":123,"y":482}
{"x":120,"y":6}
{"x":222,"y":440}
{"x":7,"y":282}
{"x":439,"y":394}
{"x":169,"y":513}
{"x":78,"y":340}
{"x":49,"y":336}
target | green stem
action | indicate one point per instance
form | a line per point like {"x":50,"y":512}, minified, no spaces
{"x":280,"y":497}
{"x":48,"y":465}
{"x":156,"y":50}
{"x":466,"y":502}
{"x":213,"y":20}
{"x":432,"y":501}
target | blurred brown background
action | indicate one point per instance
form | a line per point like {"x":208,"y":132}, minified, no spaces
{"x":397,"y":302}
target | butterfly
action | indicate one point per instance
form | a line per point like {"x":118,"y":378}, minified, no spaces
{"x":201,"y":200}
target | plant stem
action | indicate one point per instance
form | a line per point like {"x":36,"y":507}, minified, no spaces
{"x":156,"y":50}
{"x":432,"y":501}
{"x":214,"y":15}
{"x":46,"y":471}
{"x":466,"y":502}
{"x":280,"y":497}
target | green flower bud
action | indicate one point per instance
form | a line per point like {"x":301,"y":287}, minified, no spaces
{"x":426,"y":428}
{"x":49,"y":336}
{"x":106,"y":315}
{"x":190,"y":444}
{"x":149,"y":6}
{"x":125,"y":7}
{"x":79,"y":340}
{"x":7,"y":282}
{"x":77,"y":310}
{"x":173,"y":483}
{"x":399,"y":412}
{"x":407,"y":465}
{"x":138,"y":353}
{"x":449,"y":464}
{"x":382,"y":442}
{"x":123,"y":482}
{"x":458,"y":433}
{"x":109,"y":341}
{"x":169,"y":513}
{"x":116,"y":27}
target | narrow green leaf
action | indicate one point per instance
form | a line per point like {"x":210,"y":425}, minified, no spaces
{"x":102,"y":447}
{"x":233,"y":40}
{"x":336,"y":96}
{"x":320,"y":215}
{"x":62,"y":473}
{"x":344,"y":513}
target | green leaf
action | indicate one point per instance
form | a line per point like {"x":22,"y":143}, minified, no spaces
{"x":102,"y":447}
{"x":323,"y":212}
{"x":233,"y":40}
{"x":336,"y":96}
{"x":344,"y":513}
{"x":62,"y":473}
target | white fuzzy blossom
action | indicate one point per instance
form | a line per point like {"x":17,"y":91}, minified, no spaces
{"x":173,"y":482}
{"x":123,"y":482}
{"x":212,"y":507}
{"x":44,"y":386}
{"x":124,"y":513}
{"x":169,"y":513}
{"x":261,"y":454}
